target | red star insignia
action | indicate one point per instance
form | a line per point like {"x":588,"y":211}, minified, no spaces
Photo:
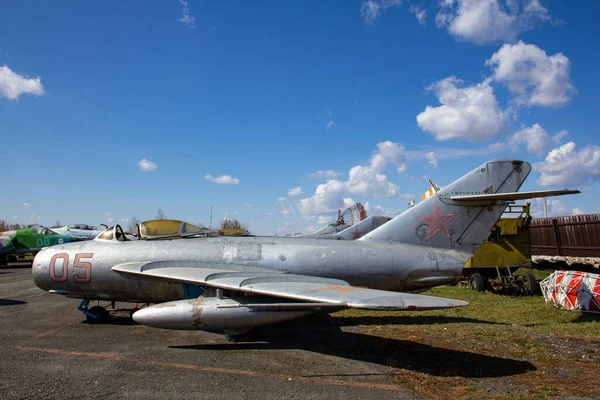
{"x":436,"y":222}
{"x":355,"y":234}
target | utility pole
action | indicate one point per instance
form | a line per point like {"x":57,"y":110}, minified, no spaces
{"x":545,"y":208}
{"x":210,"y":227}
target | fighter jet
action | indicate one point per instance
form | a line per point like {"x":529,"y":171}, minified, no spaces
{"x":234,"y":284}
{"x":28,"y":241}
{"x":82,"y":231}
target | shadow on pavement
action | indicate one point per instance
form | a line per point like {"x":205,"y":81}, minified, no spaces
{"x":11,"y":302}
{"x":322,"y":336}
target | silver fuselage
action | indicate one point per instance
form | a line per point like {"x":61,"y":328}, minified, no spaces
{"x":373,"y":264}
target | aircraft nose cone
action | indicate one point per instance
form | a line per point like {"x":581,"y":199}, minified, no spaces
{"x":39,"y":269}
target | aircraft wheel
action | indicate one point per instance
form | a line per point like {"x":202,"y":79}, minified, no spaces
{"x":3,"y":262}
{"x":531,"y":285}
{"x":476,"y":282}
{"x":100,"y":313}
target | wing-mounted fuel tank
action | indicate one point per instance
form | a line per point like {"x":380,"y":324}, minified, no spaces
{"x":219,"y":315}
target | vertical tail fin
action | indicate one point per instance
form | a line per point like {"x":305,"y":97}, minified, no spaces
{"x":443,"y":223}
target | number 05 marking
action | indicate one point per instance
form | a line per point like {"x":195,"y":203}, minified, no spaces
{"x":87,"y":266}
{"x":79,"y":276}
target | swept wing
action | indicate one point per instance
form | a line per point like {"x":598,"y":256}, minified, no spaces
{"x":512,"y":195}
{"x":306,"y":288}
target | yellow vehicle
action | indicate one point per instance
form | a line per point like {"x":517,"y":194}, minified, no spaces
{"x":507,"y":249}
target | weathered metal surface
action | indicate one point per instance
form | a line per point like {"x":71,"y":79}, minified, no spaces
{"x":569,"y":236}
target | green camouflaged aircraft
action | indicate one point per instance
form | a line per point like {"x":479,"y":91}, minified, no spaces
{"x":29,"y":241}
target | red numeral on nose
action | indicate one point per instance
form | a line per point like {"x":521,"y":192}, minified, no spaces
{"x":65,"y":264}
{"x":83,"y":264}
{"x":60,"y":273}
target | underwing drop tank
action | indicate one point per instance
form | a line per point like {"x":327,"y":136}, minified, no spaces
{"x":217,"y":315}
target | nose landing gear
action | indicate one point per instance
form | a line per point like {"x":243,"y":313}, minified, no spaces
{"x":99,"y":314}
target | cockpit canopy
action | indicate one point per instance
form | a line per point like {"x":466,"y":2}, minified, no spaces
{"x":42,"y":230}
{"x":84,"y":227}
{"x":113,"y":233}
{"x":168,"y":229}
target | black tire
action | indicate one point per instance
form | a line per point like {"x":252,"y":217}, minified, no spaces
{"x":100,"y":315}
{"x":531,"y":284}
{"x":3,"y":262}
{"x":476,"y":282}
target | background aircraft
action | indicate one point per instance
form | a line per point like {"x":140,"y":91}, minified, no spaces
{"x":78,"y":230}
{"x":234,"y":284}
{"x":29,"y":240}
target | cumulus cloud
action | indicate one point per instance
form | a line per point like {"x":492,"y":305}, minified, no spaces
{"x":565,"y":166}
{"x":247,"y":205}
{"x":372,"y":9}
{"x":487,"y":21}
{"x":389,"y":152}
{"x":187,"y":18}
{"x":535,"y":78}
{"x":555,"y":208}
{"x":535,"y":139}
{"x":320,"y":174}
{"x":420,"y":14}
{"x":469,"y":113}
{"x":222,"y":179}
{"x":363,"y":180}
{"x":12,"y":84}
{"x":297,"y":191}
{"x":147,"y":165}
{"x":26,"y":205}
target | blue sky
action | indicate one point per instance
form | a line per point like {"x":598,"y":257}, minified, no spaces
{"x":112,"y":110}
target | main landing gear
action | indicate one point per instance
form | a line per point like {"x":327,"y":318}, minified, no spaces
{"x":100,"y":314}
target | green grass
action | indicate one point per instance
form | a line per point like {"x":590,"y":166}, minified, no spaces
{"x":492,"y":308}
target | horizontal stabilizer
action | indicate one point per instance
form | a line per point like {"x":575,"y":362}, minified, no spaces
{"x":487,"y":198}
{"x":302,"y":288}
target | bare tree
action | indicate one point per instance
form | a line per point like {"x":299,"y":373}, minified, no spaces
{"x":56,"y":224}
{"x":161,"y":214}
{"x":232,"y":223}
{"x":133,"y":221}
{"x":3,"y":226}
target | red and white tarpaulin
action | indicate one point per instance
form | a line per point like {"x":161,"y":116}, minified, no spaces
{"x":573,"y":290}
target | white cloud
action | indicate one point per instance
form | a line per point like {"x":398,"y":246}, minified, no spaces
{"x":187,"y":18}
{"x":329,"y":113}
{"x":420,"y":14}
{"x":12,"y":85}
{"x":247,"y":205}
{"x":486,"y":21}
{"x":363,"y":180}
{"x":147,"y":165}
{"x":389,"y":152}
{"x":535,"y":139}
{"x":470,"y":113}
{"x":297,"y":191}
{"x":372,"y":9}
{"x":280,"y":199}
{"x":535,"y":78}
{"x":15,"y":217}
{"x":320,"y":174}
{"x":287,"y":209}
{"x":328,"y":126}
{"x":269,"y":214}
{"x":565,"y":166}
{"x":222,"y":179}
{"x":555,"y":208}
{"x":26,"y":205}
